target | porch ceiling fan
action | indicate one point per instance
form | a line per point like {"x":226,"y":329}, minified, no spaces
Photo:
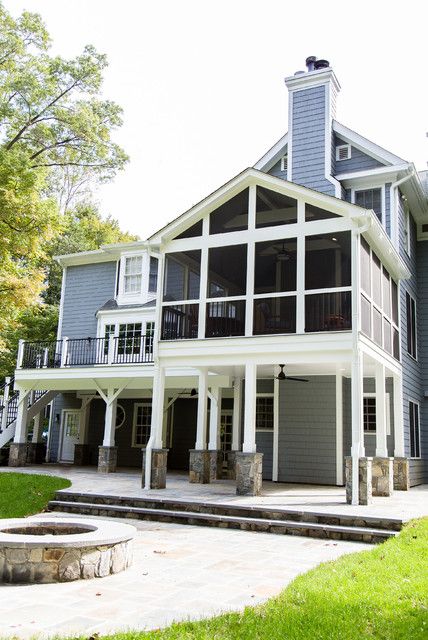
{"x":281,"y":376}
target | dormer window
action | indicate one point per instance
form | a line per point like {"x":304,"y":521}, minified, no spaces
{"x":343,"y":152}
{"x":284,"y":163}
{"x":133,"y":274}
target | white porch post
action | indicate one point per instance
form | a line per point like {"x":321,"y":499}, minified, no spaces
{"x":249,"y":444}
{"x":6,"y":393}
{"x":236,"y":420}
{"x":110,"y":423}
{"x":201,"y":428}
{"x":18,"y":449}
{"x":339,"y":429}
{"x":398,"y":416}
{"x":357,"y":447}
{"x":215,"y":413}
{"x":107,"y":453}
{"x":381,"y":443}
{"x":154,"y":456}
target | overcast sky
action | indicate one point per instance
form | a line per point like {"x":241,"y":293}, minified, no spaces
{"x":201,"y":84}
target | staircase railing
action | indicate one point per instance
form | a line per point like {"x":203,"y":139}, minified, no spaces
{"x":9,"y":403}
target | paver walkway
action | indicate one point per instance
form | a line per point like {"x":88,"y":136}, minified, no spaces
{"x":179,"y":572}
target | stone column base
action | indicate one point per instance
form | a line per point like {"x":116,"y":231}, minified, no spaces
{"x":231,"y":465}
{"x":199,"y":466}
{"x":401,"y":474}
{"x":382,"y":476}
{"x":216,"y":464}
{"x":36,"y":452}
{"x":18,"y":454}
{"x":81,"y":455}
{"x":364,"y":480}
{"x":249,"y":467}
{"x":158,"y":471}
{"x":107,"y":459}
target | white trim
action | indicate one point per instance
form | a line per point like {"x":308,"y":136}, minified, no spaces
{"x":62,"y":423}
{"x":143,"y":403}
{"x":61,"y":304}
{"x":413,"y":357}
{"x":284,"y":163}
{"x":416,"y":402}
{"x":117,"y":426}
{"x":272,"y":156}
{"x":372,"y":394}
{"x":312,"y":79}
{"x":348,"y":153}
{"x":339,"y":429}
{"x":372,"y":187}
{"x":290,"y":138}
{"x":275,"y":445}
{"x":366,"y":146}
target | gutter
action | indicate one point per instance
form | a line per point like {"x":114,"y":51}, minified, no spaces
{"x":394,"y":207}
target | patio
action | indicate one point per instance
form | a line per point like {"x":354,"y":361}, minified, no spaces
{"x":303,"y":497}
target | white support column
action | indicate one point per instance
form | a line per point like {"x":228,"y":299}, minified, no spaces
{"x":249,"y":445}
{"x":381,"y":443}
{"x":357,"y":447}
{"x":158,"y":402}
{"x":37,"y":428}
{"x":201,"y":428}
{"x":6,"y":393}
{"x":339,"y":429}
{"x":236,"y":421}
{"x":215,"y":413}
{"x":398,"y":416}
{"x":20,"y":356}
{"x":22,"y":418}
{"x":64,"y":352}
{"x":110,"y":420}
{"x":275,"y":452}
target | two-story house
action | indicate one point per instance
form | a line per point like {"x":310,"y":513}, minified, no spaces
{"x":277,"y":330}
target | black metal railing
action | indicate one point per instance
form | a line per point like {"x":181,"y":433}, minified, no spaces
{"x":225,"y":319}
{"x":328,"y":311}
{"x":85,"y":352}
{"x":180,"y":322}
{"x":36,"y":355}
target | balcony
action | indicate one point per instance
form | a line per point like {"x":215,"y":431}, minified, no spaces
{"x":85,"y":352}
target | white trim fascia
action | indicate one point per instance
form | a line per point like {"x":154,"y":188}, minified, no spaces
{"x":61,"y":304}
{"x":290,"y":137}
{"x":86,"y":257}
{"x":366,"y":146}
{"x":387,"y":174}
{"x":312,"y":79}
{"x":119,"y":312}
{"x":328,"y":139}
{"x":272,"y":156}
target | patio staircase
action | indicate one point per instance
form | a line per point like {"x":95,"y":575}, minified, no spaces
{"x":247,"y":518}
{"x":9,"y":408}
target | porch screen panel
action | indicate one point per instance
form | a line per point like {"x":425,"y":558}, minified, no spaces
{"x":328,"y":260}
{"x":182,"y":275}
{"x":231,"y":216}
{"x":328,"y":311}
{"x":376,"y":280}
{"x":365,"y":267}
{"x":366,"y":316}
{"x":274,"y":315}
{"x":275,"y":266}
{"x":227,"y":271}
{"x":313,"y":213}
{"x":273,"y":209}
{"x":225,"y":318}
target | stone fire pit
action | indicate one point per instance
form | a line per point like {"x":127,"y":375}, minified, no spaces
{"x":62,"y":549}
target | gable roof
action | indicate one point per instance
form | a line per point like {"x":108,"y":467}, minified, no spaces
{"x":272,"y":156}
{"x":365,"y":145}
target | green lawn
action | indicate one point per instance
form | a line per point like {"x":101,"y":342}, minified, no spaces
{"x":379,"y":594}
{"x":23,"y":494}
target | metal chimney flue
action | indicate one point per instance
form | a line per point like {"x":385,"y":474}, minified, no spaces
{"x":310,"y":63}
{"x":321,"y":64}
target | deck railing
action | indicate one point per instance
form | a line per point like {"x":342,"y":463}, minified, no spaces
{"x":85,"y":352}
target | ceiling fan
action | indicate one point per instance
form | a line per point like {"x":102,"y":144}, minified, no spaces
{"x":281,"y":376}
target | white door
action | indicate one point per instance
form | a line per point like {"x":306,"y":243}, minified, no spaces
{"x":70,"y":434}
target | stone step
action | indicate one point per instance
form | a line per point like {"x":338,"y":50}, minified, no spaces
{"x":284,"y":527}
{"x":241,"y":511}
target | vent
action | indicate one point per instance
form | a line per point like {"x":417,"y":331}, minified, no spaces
{"x":343,"y":152}
{"x":425,"y":228}
{"x":284,"y":163}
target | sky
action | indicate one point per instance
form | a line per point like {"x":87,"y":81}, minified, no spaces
{"x":202,"y":84}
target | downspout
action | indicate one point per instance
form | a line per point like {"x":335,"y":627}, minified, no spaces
{"x":394,"y":209}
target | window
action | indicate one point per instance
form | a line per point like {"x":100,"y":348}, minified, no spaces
{"x":273,"y":209}
{"x":284,"y":163}
{"x":415,"y":440}
{"x":370,"y":199}
{"x":142,"y":423}
{"x":231,"y":216}
{"x":328,"y":260}
{"x":129,"y":341}
{"x":411,"y":326}
{"x":369,"y":414}
{"x":150,"y":332}
{"x":133,"y":274}
{"x":153,"y":274}
{"x":108,"y":334}
{"x":264,"y":413}
{"x":343,"y":152}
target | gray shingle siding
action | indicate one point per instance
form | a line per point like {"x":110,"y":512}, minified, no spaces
{"x":264,"y":443}
{"x":308,"y":140}
{"x":388,"y":208}
{"x":307,"y":431}
{"x":422,"y":264}
{"x":412,"y":374}
{"x":358,"y":161}
{"x":87,"y":288}
{"x":61,"y":401}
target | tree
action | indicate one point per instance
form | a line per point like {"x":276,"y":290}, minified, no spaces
{"x":54,"y":130}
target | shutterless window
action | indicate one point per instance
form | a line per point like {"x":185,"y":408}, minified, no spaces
{"x":182,"y":275}
{"x":328,"y":260}
{"x":142,"y":424}
{"x":129,"y":341}
{"x":369,"y":415}
{"x":231,"y":216}
{"x":153,"y":274}
{"x":273,"y":209}
{"x":411,"y":325}
{"x":264,"y":413}
{"x":133,"y":272}
{"x":227,"y":271}
{"x":370,"y":199}
{"x":415,"y":440}
{"x":275,"y":266}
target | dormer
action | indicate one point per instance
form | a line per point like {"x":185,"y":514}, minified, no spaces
{"x":137,"y":276}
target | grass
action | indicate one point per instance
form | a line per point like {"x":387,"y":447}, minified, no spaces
{"x":378,"y":594}
{"x":23,"y":494}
